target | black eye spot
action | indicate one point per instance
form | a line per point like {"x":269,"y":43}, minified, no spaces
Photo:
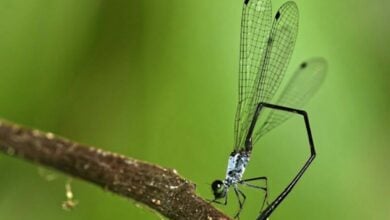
{"x":303,"y":65}
{"x":277,"y":16}
{"x":246,"y":2}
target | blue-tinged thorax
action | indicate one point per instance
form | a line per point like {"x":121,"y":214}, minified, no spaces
{"x":236,"y":167}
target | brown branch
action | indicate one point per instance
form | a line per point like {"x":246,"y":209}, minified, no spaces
{"x":159,"y":188}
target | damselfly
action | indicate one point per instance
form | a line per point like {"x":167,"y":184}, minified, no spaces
{"x":266,"y":46}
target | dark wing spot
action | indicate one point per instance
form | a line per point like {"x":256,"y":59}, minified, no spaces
{"x":270,"y":40}
{"x":303,"y":65}
{"x":277,"y":16}
{"x":246,"y":2}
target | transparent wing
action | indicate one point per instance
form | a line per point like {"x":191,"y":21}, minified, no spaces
{"x":272,"y":65}
{"x":301,"y":87}
{"x":255,"y":28}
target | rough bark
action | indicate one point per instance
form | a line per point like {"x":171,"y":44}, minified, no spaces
{"x":159,"y":188}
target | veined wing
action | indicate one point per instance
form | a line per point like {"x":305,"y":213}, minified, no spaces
{"x":271,"y":67}
{"x":302,"y":86}
{"x":255,"y":28}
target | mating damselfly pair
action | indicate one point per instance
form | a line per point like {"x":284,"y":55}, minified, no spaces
{"x":266,"y":45}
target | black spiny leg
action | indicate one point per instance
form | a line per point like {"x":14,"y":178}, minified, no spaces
{"x":265,"y":189}
{"x":218,"y":202}
{"x":240,"y":203}
{"x":268,"y":211}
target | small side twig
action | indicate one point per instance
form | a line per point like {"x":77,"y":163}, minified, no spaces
{"x":159,"y":188}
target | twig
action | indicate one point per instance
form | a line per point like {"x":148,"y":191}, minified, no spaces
{"x":159,"y":188}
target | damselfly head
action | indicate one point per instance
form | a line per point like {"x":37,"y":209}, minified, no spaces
{"x":219,"y":189}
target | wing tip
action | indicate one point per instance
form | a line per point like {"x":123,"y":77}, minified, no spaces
{"x":289,"y":7}
{"x":321,"y":62}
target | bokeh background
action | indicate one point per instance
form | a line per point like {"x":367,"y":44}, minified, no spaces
{"x":157,"y":80}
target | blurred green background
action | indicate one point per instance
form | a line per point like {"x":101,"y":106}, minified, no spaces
{"x":157,"y":80}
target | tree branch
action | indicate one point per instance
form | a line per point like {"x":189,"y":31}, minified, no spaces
{"x":159,"y":188}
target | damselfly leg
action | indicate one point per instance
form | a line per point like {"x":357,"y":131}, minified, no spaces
{"x":219,"y":202}
{"x":238,"y":192}
{"x":265,"y":188}
{"x":241,"y":196}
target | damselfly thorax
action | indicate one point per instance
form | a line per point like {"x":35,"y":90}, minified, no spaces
{"x":236,"y":167}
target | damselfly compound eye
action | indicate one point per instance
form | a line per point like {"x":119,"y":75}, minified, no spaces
{"x":218,"y":189}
